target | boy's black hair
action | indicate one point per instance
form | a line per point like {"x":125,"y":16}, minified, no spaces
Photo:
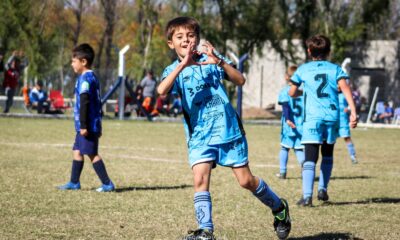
{"x":84,"y":51}
{"x":178,"y":22}
{"x":319,"y":46}
{"x":40,"y":83}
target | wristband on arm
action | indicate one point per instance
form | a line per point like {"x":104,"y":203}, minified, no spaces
{"x":286,"y":110}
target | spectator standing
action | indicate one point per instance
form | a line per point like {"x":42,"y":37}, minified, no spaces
{"x":11,"y":77}
{"x":149,"y":86}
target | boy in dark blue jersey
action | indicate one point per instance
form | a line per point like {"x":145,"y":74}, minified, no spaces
{"x":214,"y":132}
{"x":87,"y":116}
{"x":320,"y":79}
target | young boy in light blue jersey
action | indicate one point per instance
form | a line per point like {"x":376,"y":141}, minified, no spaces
{"x":320,"y":79}
{"x":291,"y":125}
{"x":87,"y":117}
{"x":344,"y":127}
{"x":213,"y":130}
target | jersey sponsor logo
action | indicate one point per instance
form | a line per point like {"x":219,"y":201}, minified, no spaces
{"x":313,"y":131}
{"x":200,"y":87}
{"x":214,"y":115}
{"x":213,"y":101}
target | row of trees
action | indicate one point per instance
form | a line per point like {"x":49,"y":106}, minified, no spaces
{"x":47,"y":30}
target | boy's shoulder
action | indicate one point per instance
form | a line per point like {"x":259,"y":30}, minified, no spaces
{"x":168,"y":69}
{"x":172,"y":65}
{"x":312,"y":64}
{"x":88,"y":76}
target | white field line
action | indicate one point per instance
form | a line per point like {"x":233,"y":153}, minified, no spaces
{"x":153,"y":159}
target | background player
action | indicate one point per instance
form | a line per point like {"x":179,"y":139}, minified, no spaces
{"x":291,"y":125}
{"x":87,"y":115}
{"x":344,"y":127}
{"x":320,"y":79}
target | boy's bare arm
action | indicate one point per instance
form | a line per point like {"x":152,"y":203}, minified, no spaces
{"x":294,"y":91}
{"x":344,"y":87}
{"x":235,"y":76}
{"x":165,"y":86}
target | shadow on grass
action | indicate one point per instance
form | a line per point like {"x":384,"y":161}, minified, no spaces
{"x":328,"y":236}
{"x":126,"y":189}
{"x":366,"y":201}
{"x":339,"y":178}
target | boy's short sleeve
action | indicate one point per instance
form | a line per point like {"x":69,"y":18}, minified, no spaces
{"x":220,"y":69}
{"x":341,"y":74}
{"x":296,"y":79}
{"x":166,"y":72}
{"x":84,"y":87}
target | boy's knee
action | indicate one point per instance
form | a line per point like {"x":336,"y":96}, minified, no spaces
{"x":248,"y":183}
{"x":200,"y":180}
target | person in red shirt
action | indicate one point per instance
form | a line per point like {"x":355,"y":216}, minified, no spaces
{"x":11,"y":77}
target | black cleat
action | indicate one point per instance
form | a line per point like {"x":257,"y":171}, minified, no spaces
{"x":323,"y":195}
{"x":199,"y":234}
{"x":305,"y":202}
{"x":282,"y":222}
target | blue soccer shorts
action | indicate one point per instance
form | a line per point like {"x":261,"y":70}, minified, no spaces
{"x":344,"y":131}
{"x":318,"y":131}
{"x":231,"y":154}
{"x":293,"y":142}
{"x":88,"y":145}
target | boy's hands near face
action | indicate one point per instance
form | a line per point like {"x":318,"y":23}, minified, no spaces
{"x":209,"y":51}
{"x":190,"y":55}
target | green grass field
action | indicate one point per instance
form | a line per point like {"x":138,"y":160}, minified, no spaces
{"x":154,"y":197}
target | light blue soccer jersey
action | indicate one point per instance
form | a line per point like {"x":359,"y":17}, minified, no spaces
{"x":295,"y":105}
{"x":320,"y":79}
{"x":88,"y":83}
{"x":344,"y":117}
{"x":209,"y":117}
{"x":290,"y":138}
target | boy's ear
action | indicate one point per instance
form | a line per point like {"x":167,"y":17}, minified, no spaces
{"x":170,"y":44}
{"x":84,"y":62}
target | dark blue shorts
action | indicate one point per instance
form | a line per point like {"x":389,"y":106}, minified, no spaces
{"x":86,"y":145}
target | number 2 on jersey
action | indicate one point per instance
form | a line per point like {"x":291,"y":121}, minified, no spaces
{"x":324,"y":81}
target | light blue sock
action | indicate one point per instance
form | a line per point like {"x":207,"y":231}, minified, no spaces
{"x":203,"y":208}
{"x":267,"y":196}
{"x":351,"y":149}
{"x":300,"y":156}
{"x":283,"y":159}
{"x":325,"y":172}
{"x":308,"y":178}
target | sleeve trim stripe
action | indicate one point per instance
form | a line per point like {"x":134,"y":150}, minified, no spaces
{"x":295,"y":83}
